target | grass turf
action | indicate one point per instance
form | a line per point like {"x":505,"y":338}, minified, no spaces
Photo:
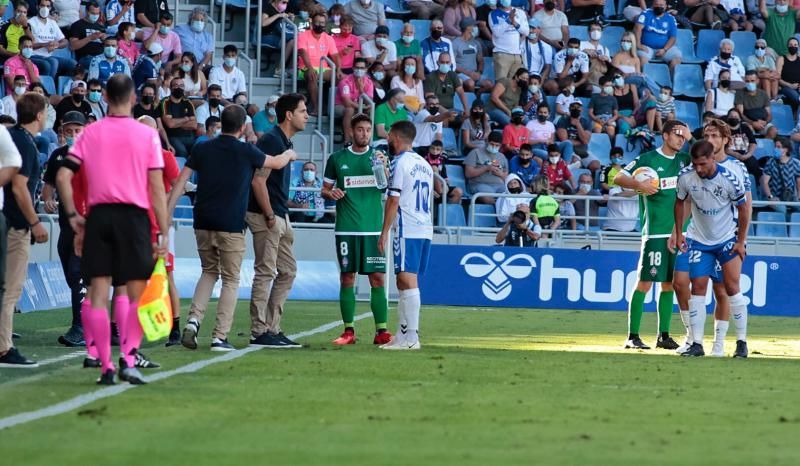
{"x":491,"y":386}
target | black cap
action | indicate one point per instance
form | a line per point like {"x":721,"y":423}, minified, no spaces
{"x":73,"y":118}
{"x":382,"y":30}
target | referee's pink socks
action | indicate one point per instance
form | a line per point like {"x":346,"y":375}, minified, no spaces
{"x":100,"y":328}
{"x":135,"y":332}
{"x":88,"y":336}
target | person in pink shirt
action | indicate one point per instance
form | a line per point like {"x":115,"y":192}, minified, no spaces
{"x":122,"y":163}
{"x":21,"y":65}
{"x":312,"y":45}
{"x":168,"y":40}
{"x":126,"y":46}
{"x":348,"y":91}
{"x":348,"y":44}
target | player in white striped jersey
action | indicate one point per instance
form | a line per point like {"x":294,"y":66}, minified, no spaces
{"x":408,"y":213}
{"x":714,"y":236}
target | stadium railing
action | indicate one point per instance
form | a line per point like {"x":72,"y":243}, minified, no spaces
{"x":364,"y":98}
{"x":325,"y":148}
{"x":331,"y":97}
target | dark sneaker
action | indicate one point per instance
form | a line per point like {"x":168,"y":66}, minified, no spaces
{"x":114,"y":335}
{"x":189,"y":337}
{"x":636,"y":343}
{"x":143,"y":363}
{"x":267,"y":340}
{"x":13,"y":358}
{"x":289,"y":343}
{"x":174,"y":338}
{"x":107,"y":378}
{"x":91,"y":363}
{"x":130,"y":374}
{"x":741,"y":349}
{"x":667,"y":343}
{"x":73,"y":337}
{"x":218,"y":344}
{"x":695,"y":350}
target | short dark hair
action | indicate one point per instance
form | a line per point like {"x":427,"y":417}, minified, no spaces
{"x":94,"y":82}
{"x":213,"y":87}
{"x":361,"y":60}
{"x":7,"y":120}
{"x":287,"y":103}
{"x":230,"y":48}
{"x":574,"y":41}
{"x":28,"y":106}
{"x":604,"y":80}
{"x":751,"y":73}
{"x":702,"y":148}
{"x":436,"y":143}
{"x":495,"y":136}
{"x":151,"y":86}
{"x":210,"y":121}
{"x":786,"y":143}
{"x":233,"y":118}
{"x":667,"y":87}
{"x":39,"y":85}
{"x":119,"y":89}
{"x":359,"y":118}
{"x":19,"y":3}
{"x":520,"y":71}
{"x":166,"y":15}
{"x":616,"y":150}
{"x":92,"y":4}
{"x":553,"y":148}
{"x":319,"y":13}
{"x":108,"y":38}
{"x":25,"y":39}
{"x":405,"y":130}
{"x":669,"y":125}
{"x":525,"y":146}
{"x":20,"y":77}
{"x":123,"y":26}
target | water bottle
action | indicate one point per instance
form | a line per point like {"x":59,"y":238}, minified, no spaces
{"x":379,"y":171}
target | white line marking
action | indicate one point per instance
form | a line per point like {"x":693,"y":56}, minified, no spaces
{"x":85,"y":399}
{"x":63,"y":357}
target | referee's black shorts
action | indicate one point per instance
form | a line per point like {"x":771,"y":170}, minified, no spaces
{"x":117,"y":244}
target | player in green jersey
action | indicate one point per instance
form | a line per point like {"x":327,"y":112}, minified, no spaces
{"x":656,"y":262}
{"x":349,"y":181}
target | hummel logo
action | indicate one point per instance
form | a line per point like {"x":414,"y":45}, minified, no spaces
{"x":660,"y":169}
{"x":403,"y":329}
{"x":345,"y":167}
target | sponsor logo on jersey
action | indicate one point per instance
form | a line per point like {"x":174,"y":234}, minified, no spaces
{"x":376,"y":260}
{"x":670,"y":182}
{"x":363,"y":181}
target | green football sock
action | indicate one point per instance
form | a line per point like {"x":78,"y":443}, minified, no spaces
{"x":665,"y":310}
{"x":347,"y":304}
{"x":635,"y":312}
{"x":380,"y":308}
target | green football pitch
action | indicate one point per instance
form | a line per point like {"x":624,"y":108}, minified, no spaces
{"x":490,"y":387}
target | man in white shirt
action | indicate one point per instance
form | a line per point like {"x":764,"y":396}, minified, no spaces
{"x":537,"y":55}
{"x":429,"y":123}
{"x":555,"y":26}
{"x":213,"y":107}
{"x":726,"y":60}
{"x":623,"y":213}
{"x":574,"y":63}
{"x":228,"y":76}
{"x":509,"y":28}
{"x":50,"y":51}
{"x":381,"y":49}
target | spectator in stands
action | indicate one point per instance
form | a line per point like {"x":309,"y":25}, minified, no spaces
{"x":378,"y":78}
{"x":486,"y":169}
{"x":409,"y":46}
{"x":656,"y":33}
{"x":707,"y":117}
{"x":517,"y":199}
{"x":211,"y":107}
{"x":127,"y":48}
{"x":780,"y":24}
{"x":273,"y":17}
{"x":366,"y":15}
{"x":426,"y":9}
{"x":603,"y":109}
{"x":542,"y":133}
{"x":8,"y":104}
{"x":577,"y":130}
{"x":228,"y":76}
{"x":537,"y":55}
{"x":148,"y":105}
{"x":213,"y":129}
{"x":169,"y":41}
{"x":21,"y":65}
{"x":389,"y":112}
{"x":515,"y":134}
{"x":763,"y":64}
{"x":267,"y":118}
{"x":623,"y":215}
{"x":483,"y":13}
{"x":118,"y":12}
{"x":743,"y":143}
{"x":753,"y":103}
{"x":788,"y":68}
{"x":475,"y":129}
{"x":149,"y":12}
{"x":726,"y":60}
{"x":627,"y":97}
{"x":444,"y":84}
{"x":69,"y":11}
{"x":544,"y":209}
{"x":382,"y":50}
{"x":572,"y":62}
{"x":519,"y":230}
{"x":146,"y":69}
{"x":707,"y":15}
{"x":312,"y":45}
{"x":408,"y":81}
{"x":665,"y":106}
{"x":524,"y":166}
{"x":436,"y":158}
{"x":628,"y":63}
{"x":86,"y":35}
{"x":781,"y":180}
{"x":110,"y":63}
{"x":335,"y":15}
{"x":302,"y":20}
{"x":509,"y":28}
{"x":506,"y":95}
{"x":556,"y":169}
{"x":349,"y":91}
{"x":193,"y":77}
{"x":47,"y":136}
{"x":75,"y":101}
{"x":95,"y":98}
{"x":555,"y":25}
{"x":586,"y":188}
{"x":565,"y":98}
{"x":720,"y":99}
{"x":311,"y":200}
{"x":533,"y":97}
{"x":455,"y":12}
{"x":178,"y":117}
{"x":599,"y":55}
{"x":468,"y":54}
{"x":434,"y":46}
{"x":585,"y":10}
{"x":13,"y":30}
{"x":50,"y":51}
{"x":195,"y":39}
{"x":429,"y":122}
{"x":611,"y":170}
{"x":738,"y":17}
{"x":347,"y":43}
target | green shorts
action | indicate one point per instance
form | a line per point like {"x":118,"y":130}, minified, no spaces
{"x":359,"y":254}
{"x":656,"y":263}
{"x":301,"y":74}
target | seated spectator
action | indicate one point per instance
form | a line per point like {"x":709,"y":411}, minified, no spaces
{"x":389,"y":112}
{"x":743,"y":143}
{"x":486,"y":169}
{"x":86,"y":35}
{"x":435,"y":45}
{"x":524,"y":166}
{"x":599,"y":55}
{"x":603,"y":109}
{"x":378,"y":78}
{"x":505,"y":206}
{"x":542,"y":133}
{"x":335,"y":15}
{"x":720,"y":99}
{"x":515,"y":134}
{"x":169,"y":41}
{"x":21,"y":65}
{"x":95,"y":97}
{"x":631,"y":115}
{"x":69,"y":11}
{"x":302,"y":19}
{"x":366,"y":15}
{"x":348,"y":93}
{"x":75,"y":101}
{"x":429,"y":123}
{"x":726,"y":60}
{"x":555,"y":25}
{"x":382,"y":50}
{"x":781,"y":179}
{"x":273,"y":18}
{"x":705,"y":14}
{"x":195,"y":39}
{"x":763,"y":65}
{"x":622,"y":214}
{"x":697,"y":134}
{"x":468,"y":54}
{"x":610,"y":171}
{"x":565,"y":98}
{"x":347,"y":43}
{"x":586,"y":188}
{"x":455,"y":12}
{"x":533,"y":97}
{"x":566,"y":208}
{"x":656,"y":32}
{"x":519,"y":231}
{"x":506,"y":96}
{"x":426,"y":9}
{"x":310,"y":200}
{"x":50,"y":121}
{"x":537,"y":55}
{"x":545,"y":210}
{"x":193,"y":77}
{"x":149,"y":105}
{"x":211,"y":107}
{"x":264,"y":120}
{"x":408,"y":81}
{"x":780,"y":23}
{"x":312,"y":45}
{"x":788,"y":68}
{"x":628,"y":63}
{"x":665,"y":106}
{"x":444,"y":84}
{"x":149,"y":12}
{"x":52,"y":55}
{"x":437,"y":159}
{"x":11,"y":32}
{"x":572,"y":62}
{"x":178,"y":117}
{"x":228,"y":76}
{"x":118,"y":12}
{"x":146,"y":69}
{"x":556,"y":169}
{"x":409,"y":46}
{"x":577,"y":130}
{"x":213,"y":129}
{"x":127,"y":47}
{"x":110,"y":63}
{"x":9,"y":103}
{"x":475,"y":129}
{"x":737,"y":15}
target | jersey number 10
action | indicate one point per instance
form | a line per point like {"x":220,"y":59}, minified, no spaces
{"x":423,"y":191}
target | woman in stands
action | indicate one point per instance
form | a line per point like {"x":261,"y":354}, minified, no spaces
{"x":475,"y":129}
{"x":506,"y":95}
{"x":193,"y":79}
{"x":454,"y":12}
{"x":407,"y":80}
{"x":629,"y":64}
{"x":633,"y":112}
{"x":788,"y":68}
{"x":720,"y":99}
{"x":378,"y":76}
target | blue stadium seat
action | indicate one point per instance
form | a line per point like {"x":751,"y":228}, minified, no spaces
{"x":488,"y":69}
{"x":49,"y":84}
{"x":296,"y":168}
{"x":689,"y":81}
{"x":551,"y":103}
{"x":611,"y":37}
{"x":659,"y":72}
{"x":485,"y":96}
{"x":782,"y":118}
{"x":62,"y":85}
{"x":600,"y":146}
{"x":685,"y":43}
{"x":744,"y":44}
{"x":602,"y":212}
{"x":485,"y":215}
{"x":455,"y":215}
{"x":754,"y":187}
{"x":708,"y":43}
{"x":627,"y":154}
{"x":183,"y":210}
{"x":455,"y":177}
{"x":794,"y":230}
{"x":422,"y":28}
{"x":774,"y":231}
{"x":449,"y":140}
{"x":609,"y":10}
{"x":764,"y":148}
{"x":457,"y":101}
{"x":581,"y":32}
{"x":585,"y":102}
{"x":395,"y":29}
{"x":687,"y":112}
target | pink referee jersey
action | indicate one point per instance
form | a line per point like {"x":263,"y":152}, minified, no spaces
{"x":116,"y":155}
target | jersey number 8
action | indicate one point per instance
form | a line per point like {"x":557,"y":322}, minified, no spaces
{"x":343,"y":248}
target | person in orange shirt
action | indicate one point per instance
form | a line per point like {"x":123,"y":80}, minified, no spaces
{"x":515,"y":134}
{"x":312,"y":45}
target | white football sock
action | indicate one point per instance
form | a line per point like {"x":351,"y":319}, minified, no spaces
{"x":402,"y":319}
{"x":720,"y":330}
{"x":412,"y":314}
{"x":687,"y":323}
{"x":697,"y":314}
{"x":738,"y":305}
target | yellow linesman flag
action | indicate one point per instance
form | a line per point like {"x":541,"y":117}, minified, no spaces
{"x":155,"y":309}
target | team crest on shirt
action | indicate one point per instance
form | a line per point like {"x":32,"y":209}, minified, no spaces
{"x":653,"y":271}
{"x":717,"y":191}
{"x":344,"y":262}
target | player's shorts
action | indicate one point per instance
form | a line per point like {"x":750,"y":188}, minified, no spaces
{"x":706,"y":260}
{"x":117,"y":244}
{"x":682,"y":265}
{"x":656,"y":263}
{"x":359,"y":254}
{"x":411,"y":255}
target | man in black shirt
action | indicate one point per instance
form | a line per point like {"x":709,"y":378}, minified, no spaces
{"x":268,"y":220}
{"x":148,"y":106}
{"x":148,"y":12}
{"x":225,"y":168}
{"x":22,"y":219}
{"x":519,"y":231}
{"x":75,"y":102}
{"x":177,"y":116}
{"x":86,"y":35}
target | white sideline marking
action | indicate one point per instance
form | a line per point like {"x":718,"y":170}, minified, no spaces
{"x":63,"y":357}
{"x":83,"y":400}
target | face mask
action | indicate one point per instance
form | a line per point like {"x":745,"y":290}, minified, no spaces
{"x":663,"y":97}
{"x":553,"y":160}
{"x":383,"y":42}
{"x":525,"y":161}
{"x":92,"y":18}
{"x":408,"y":39}
{"x":69,"y":139}
{"x":177,"y":93}
{"x":575,"y":113}
{"x":217,"y":132}
{"x":198,"y":26}
{"x":477,"y":115}
{"x":724,"y":55}
{"x":304,"y":15}
{"x":619,"y":82}
{"x":777,"y":152}
{"x":27,"y":52}
{"x":626,"y":46}
{"x":410,"y":69}
{"x":44,"y":12}
{"x":309,"y":176}
{"x":436,"y":34}
{"x":186,"y":68}
{"x":734,"y":122}
{"x":492,"y":149}
{"x":77,"y":98}
{"x":378,"y":75}
{"x":433,"y":109}
{"x":724,"y":83}
{"x":163,"y":30}
{"x":366,"y":2}
{"x":596,"y":35}
{"x":515,"y":190}
{"x":130,"y":36}
{"x":549,"y":6}
{"x":359,"y":73}
{"x":571,"y":89}
{"x":230,"y":62}
{"x":516,"y":119}
{"x":505,"y":3}
{"x":19,"y":90}
{"x":491,"y":3}
{"x":792,"y":50}
{"x":616,"y":160}
{"x":541,"y":118}
{"x":475,"y":31}
{"x":533,"y":35}
{"x":572,"y":52}
{"x":534,"y":88}
{"x":659,"y":10}
{"x":271,"y":111}
{"x":608,"y":89}
{"x":400,"y":105}
{"x":761,"y":52}
{"x":585,"y":187}
{"x":781,"y":8}
{"x":281,"y":8}
{"x":94,"y":96}
{"x":213,"y":102}
{"x":110,"y":52}
{"x":319,"y":29}
{"x":750,"y":87}
{"x":336,"y":19}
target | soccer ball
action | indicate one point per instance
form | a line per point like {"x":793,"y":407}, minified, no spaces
{"x":646,"y":173}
